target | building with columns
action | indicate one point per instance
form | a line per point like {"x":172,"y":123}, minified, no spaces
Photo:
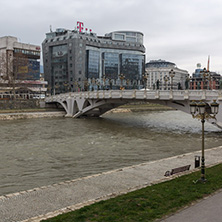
{"x":159,"y":75}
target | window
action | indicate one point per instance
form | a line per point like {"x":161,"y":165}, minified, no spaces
{"x":92,"y":63}
{"x":119,"y":36}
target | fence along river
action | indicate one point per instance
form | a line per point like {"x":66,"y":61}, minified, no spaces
{"x":38,"y":152}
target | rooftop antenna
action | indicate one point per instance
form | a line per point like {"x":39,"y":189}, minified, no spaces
{"x":208,"y":64}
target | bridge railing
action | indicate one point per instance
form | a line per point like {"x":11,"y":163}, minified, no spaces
{"x":142,"y":94}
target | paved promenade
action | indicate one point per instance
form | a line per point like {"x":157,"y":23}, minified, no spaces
{"x":208,"y":209}
{"x":40,"y":203}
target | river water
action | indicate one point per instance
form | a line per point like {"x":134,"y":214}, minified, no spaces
{"x":37,"y":152}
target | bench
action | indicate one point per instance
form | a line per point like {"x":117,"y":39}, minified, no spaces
{"x":177,"y":170}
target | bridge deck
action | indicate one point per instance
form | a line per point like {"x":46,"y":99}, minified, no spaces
{"x":95,"y":103}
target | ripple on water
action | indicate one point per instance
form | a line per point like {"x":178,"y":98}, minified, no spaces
{"x":37,"y":152}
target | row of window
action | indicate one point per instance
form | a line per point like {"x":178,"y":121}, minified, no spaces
{"x":130,"y":65}
{"x":27,"y":52}
{"x":94,"y":40}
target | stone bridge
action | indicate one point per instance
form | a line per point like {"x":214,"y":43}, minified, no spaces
{"x":96,"y":103}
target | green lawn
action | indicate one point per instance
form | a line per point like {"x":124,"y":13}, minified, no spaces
{"x":149,"y":203}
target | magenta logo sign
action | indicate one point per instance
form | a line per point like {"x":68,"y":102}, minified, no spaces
{"x":80,"y":27}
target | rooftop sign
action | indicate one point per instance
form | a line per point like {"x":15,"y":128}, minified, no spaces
{"x":80,"y":27}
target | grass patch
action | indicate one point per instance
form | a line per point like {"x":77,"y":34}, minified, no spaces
{"x":150,"y":203}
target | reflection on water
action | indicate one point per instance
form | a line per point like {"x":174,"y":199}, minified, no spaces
{"x":37,"y":152}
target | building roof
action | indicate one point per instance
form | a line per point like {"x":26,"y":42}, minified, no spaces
{"x":159,"y":63}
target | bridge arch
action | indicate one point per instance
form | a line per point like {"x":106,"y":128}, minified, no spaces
{"x":96,"y":103}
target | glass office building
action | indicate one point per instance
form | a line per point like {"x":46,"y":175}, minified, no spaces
{"x":77,"y":61}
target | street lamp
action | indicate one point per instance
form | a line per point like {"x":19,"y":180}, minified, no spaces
{"x":110,"y":84}
{"x":86,"y":85}
{"x":198,"y":110}
{"x":122,"y":77}
{"x":205,"y":76}
{"x":172,"y":74}
{"x":98,"y":84}
{"x":56,"y":88}
{"x":145,"y":76}
{"x":49,"y":88}
{"x":166,"y":78}
{"x":76,"y":86}
{"x":104,"y":82}
{"x":66,"y":86}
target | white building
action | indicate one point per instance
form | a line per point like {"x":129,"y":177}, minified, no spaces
{"x":159,"y":76}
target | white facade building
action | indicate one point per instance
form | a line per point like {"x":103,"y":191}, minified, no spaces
{"x":158,"y":75}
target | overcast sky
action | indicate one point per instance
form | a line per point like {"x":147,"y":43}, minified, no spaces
{"x":181,"y":31}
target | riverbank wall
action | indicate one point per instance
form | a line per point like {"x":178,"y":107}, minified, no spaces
{"x":8,"y":104}
{"x":31,"y":115}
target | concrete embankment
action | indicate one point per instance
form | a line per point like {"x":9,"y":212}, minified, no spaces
{"x":20,"y":114}
{"x":29,"y":115}
{"x":48,"y":201}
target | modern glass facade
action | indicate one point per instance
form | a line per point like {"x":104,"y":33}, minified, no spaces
{"x":92,"y":64}
{"x":132,"y":66}
{"x":110,"y":65}
{"x":114,"y":64}
{"x":84,"y":61}
{"x":59,"y":77}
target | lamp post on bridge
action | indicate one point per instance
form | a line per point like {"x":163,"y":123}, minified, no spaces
{"x":110,"y":84}
{"x":198,"y":110}
{"x":205,"y":74}
{"x":56,"y":88}
{"x":172,"y":74}
{"x":49,"y":88}
{"x":104,"y":82}
{"x":66,"y":86}
{"x":98,"y":84}
{"x":166,"y":78}
{"x":145,"y":76}
{"x":122,"y":77}
{"x":86,"y":85}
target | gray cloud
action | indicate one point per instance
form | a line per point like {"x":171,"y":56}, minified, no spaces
{"x":184,"y":32}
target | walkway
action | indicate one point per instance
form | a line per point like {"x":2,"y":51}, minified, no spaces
{"x":207,"y":210}
{"x":48,"y":201}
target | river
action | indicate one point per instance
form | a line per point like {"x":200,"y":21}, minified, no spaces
{"x":37,"y":152}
